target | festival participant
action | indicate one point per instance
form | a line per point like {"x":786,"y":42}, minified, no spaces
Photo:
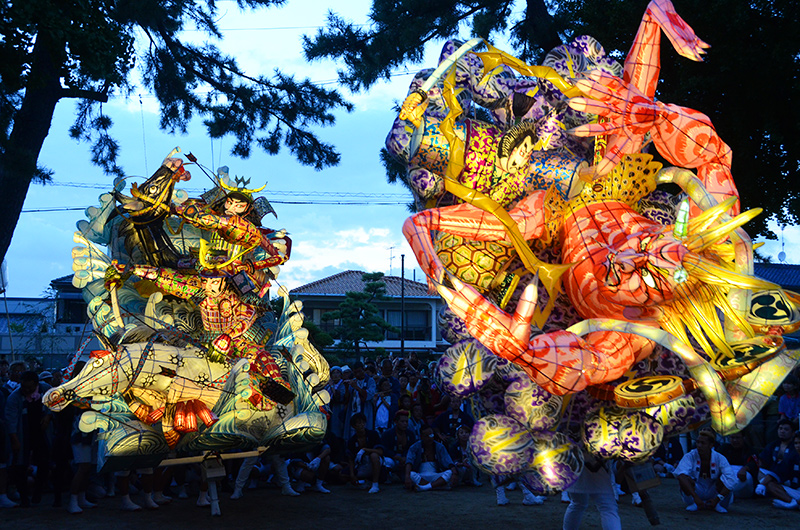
{"x":428,"y":465}
{"x":460,"y":453}
{"x":705,"y":476}
{"x":27,"y":420}
{"x":744,"y":463}
{"x":364,"y":453}
{"x":396,"y":442}
{"x":594,"y":484}
{"x":787,"y":494}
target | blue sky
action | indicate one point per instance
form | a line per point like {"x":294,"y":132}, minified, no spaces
{"x":326,"y":238}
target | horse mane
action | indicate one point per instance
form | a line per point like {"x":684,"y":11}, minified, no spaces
{"x":143,"y":333}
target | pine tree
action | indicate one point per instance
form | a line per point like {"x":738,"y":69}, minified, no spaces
{"x":359,"y":319}
{"x":747,"y":85}
{"x":86,"y":50}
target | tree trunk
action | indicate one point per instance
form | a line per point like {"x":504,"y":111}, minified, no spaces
{"x":31,"y":125}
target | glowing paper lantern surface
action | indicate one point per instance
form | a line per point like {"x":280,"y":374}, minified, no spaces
{"x":613,"y":292}
{"x":216,"y":370}
{"x":500,"y":445}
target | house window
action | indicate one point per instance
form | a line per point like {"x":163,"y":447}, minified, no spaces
{"x":71,"y":311}
{"x":418,"y":325}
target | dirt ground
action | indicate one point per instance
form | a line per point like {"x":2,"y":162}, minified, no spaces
{"x":393,"y":507}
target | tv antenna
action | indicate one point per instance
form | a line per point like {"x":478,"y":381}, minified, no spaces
{"x":391,"y":258}
{"x":782,"y":253}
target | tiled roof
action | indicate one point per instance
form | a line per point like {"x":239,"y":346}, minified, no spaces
{"x":348,"y":281}
{"x":787,"y":276}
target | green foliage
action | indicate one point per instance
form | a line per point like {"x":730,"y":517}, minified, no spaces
{"x":318,"y":338}
{"x":359,"y":319}
{"x":400,"y":29}
{"x":87,"y":50}
{"x":748,"y":84}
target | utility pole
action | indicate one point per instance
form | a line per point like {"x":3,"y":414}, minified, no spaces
{"x":402,"y":306}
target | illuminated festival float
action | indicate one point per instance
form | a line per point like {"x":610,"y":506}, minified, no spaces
{"x":196,"y":358}
{"x":588,"y":308}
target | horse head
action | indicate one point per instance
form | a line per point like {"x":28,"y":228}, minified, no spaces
{"x":150,"y":200}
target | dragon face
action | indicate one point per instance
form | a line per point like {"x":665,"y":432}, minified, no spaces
{"x":642,"y":269}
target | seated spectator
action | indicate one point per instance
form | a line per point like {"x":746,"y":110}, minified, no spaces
{"x":775,"y":457}
{"x":364,"y":453}
{"x":311,"y":468}
{"x":789,"y":403}
{"x":667,"y":456}
{"x":705,"y":476}
{"x":428,"y":466}
{"x":396,"y":442}
{"x":447,"y":423}
{"x":787,"y":494}
{"x":459,"y":452}
{"x":744,"y":463}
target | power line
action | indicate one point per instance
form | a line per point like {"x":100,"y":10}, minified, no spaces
{"x":286,"y":193}
{"x":325,"y":203}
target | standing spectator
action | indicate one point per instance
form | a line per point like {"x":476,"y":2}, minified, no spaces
{"x":428,"y":465}
{"x":396,"y":442}
{"x":447,"y":423}
{"x":362,"y":392}
{"x":412,"y":388}
{"x":387,"y":371}
{"x":787,"y":494}
{"x":340,"y":398}
{"x":27,"y":420}
{"x":14,"y":375}
{"x":385,"y":405}
{"x":594,"y":484}
{"x":5,"y":502}
{"x":364,"y":453}
{"x":789,"y":403}
{"x":404,"y":403}
{"x":705,"y":476}
{"x":3,"y":371}
{"x":744,"y":463}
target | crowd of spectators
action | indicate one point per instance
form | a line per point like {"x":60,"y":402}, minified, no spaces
{"x":389,"y":423}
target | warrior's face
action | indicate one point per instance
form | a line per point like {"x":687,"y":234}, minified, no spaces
{"x":214,"y":287}
{"x":235,"y":206}
{"x":519,"y":156}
